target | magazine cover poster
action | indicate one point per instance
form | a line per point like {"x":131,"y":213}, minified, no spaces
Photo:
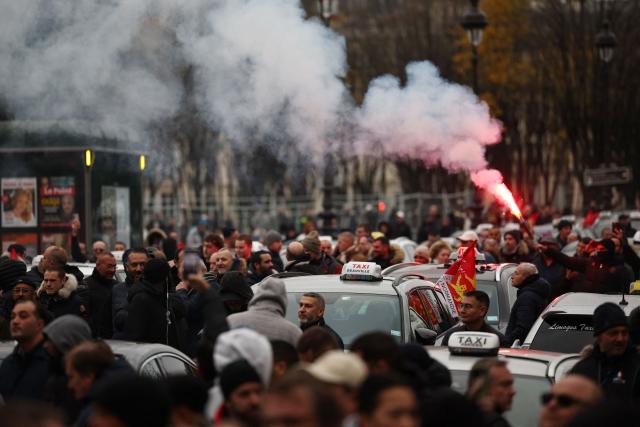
{"x":57,"y":201}
{"x":19,"y":202}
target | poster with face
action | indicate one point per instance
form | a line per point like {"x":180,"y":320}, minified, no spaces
{"x":57,"y":201}
{"x":18,"y":202}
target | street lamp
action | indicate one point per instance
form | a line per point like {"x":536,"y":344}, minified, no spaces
{"x":474,"y":22}
{"x":327,"y":9}
{"x":606,"y":42}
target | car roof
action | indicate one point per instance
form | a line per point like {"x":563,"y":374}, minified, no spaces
{"x":490,"y":272}
{"x":136,"y":353}
{"x":333,"y":283}
{"x":586,"y":303}
{"x":521,"y":361}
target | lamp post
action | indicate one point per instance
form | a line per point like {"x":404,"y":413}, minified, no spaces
{"x":474,"y":22}
{"x":89,"y":160}
{"x":327,"y":9}
{"x":605,"y":45}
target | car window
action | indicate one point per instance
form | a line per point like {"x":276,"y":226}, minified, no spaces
{"x":491,"y":289}
{"x":422,"y":318}
{"x":437,"y":311}
{"x":151,"y":369}
{"x":352,"y":315}
{"x":564,"y":333}
{"x":174,"y":366}
{"x":526,"y":406}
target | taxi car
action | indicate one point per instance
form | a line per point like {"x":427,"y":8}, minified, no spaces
{"x":151,"y":360}
{"x":494,"y":279}
{"x":361,"y":300}
{"x":533,"y":371}
{"x":566,"y":325}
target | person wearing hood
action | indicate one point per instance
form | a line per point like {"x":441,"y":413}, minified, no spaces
{"x":235,"y":292}
{"x":604,"y":272}
{"x":96,"y":294}
{"x":60,"y":336}
{"x":154,"y":315}
{"x":242,"y":389}
{"x":58,"y":293}
{"x":613,"y":362}
{"x":533,"y":295}
{"x":266,"y":313}
{"x":273,"y":243}
{"x":235,"y":345}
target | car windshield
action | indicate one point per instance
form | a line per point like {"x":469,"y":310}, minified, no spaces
{"x":352,"y":315}
{"x":491,"y":289}
{"x":564,"y":333}
{"x":526,"y":406}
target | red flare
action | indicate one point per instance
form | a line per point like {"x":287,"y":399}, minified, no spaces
{"x":502,"y":193}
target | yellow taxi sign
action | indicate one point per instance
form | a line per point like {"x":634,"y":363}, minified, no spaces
{"x":474,"y":343}
{"x":361,"y":270}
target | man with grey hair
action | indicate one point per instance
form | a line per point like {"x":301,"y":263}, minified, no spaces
{"x":533,"y":296}
{"x":311,"y":313}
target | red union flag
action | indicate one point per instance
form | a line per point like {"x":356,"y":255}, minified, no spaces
{"x":458,"y":279}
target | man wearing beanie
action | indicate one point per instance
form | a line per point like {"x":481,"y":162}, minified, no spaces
{"x":613,"y":363}
{"x":514,"y":249}
{"x":147,"y":319}
{"x":324,"y":263}
{"x":22,"y":288}
{"x":242,"y":389}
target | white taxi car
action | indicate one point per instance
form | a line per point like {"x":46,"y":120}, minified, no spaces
{"x":361,"y":300}
{"x":533,"y":371}
{"x":566,"y":325}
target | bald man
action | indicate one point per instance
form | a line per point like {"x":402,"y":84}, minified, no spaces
{"x":533,"y":296}
{"x":566,"y":399}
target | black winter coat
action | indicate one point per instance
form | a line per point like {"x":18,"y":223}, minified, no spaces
{"x":147,"y":317}
{"x":533,"y":296}
{"x":605,"y":372}
{"x":59,"y":306}
{"x":24,"y":375}
{"x":96,"y":294}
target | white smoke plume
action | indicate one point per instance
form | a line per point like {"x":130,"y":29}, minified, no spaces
{"x":88,"y":61}
{"x":260,"y":68}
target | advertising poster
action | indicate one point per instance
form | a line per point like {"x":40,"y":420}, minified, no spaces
{"x":55,"y":239}
{"x":19,"y":202}
{"x":28,"y":240}
{"x":57,"y":201}
{"x":114,"y":221}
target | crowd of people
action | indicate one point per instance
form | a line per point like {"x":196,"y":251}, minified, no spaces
{"x":256,"y":368}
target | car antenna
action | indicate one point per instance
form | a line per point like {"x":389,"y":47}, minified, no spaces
{"x":623,"y":301}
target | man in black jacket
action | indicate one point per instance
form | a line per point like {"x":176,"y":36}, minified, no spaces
{"x":533,"y":294}
{"x":311,"y":313}
{"x":24,"y":373}
{"x":148,"y":318}
{"x":96,"y":295}
{"x":58,"y":293}
{"x":613,"y":363}
{"x":134,"y":261}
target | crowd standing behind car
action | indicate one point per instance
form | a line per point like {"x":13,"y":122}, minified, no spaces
{"x":247,"y":351}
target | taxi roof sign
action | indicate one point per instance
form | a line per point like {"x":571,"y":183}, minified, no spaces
{"x":474,"y":344}
{"x":360,"y":270}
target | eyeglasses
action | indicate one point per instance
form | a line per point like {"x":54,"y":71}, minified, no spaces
{"x":562,"y":400}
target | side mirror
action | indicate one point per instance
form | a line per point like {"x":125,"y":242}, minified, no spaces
{"x":426,"y":336}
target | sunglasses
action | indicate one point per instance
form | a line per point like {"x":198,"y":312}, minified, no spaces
{"x":562,"y":400}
